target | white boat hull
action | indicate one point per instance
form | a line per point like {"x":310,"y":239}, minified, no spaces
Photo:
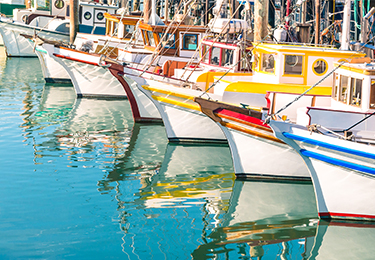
{"x":183,"y":120}
{"x":343,"y":172}
{"x":88,"y":77}
{"x":53,"y":72}
{"x":143,"y":109}
{"x":257,"y":157}
{"x":18,"y":46}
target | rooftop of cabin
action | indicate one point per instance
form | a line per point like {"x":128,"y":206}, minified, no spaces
{"x":302,"y":48}
{"x":360,"y":65}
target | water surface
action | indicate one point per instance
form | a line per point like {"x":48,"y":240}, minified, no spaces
{"x":80,"y":180}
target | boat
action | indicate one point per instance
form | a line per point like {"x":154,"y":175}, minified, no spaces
{"x":88,"y":78}
{"x":183,"y":118}
{"x":50,"y":25}
{"x":337,"y":144}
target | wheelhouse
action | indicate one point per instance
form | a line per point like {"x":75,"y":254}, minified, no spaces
{"x":225,"y":56}
{"x":354,"y":86}
{"x":293,"y":64}
{"x":172,"y":39}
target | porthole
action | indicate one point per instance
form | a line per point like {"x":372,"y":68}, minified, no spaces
{"x":100,"y":16}
{"x":59,"y":4}
{"x":320,"y":67}
{"x":87,"y":15}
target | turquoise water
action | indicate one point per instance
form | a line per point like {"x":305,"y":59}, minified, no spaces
{"x":80,"y":180}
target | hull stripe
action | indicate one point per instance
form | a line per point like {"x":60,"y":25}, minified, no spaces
{"x":345,"y":215}
{"x":74,"y":59}
{"x":338,"y":162}
{"x":329,"y":146}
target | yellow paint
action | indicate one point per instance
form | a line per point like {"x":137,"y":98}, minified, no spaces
{"x":194,"y":106}
{"x":309,"y":51}
{"x":262,"y":88}
{"x":209,"y":77}
{"x":167,"y":92}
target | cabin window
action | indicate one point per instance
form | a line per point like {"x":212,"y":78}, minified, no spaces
{"x":215,"y":56}
{"x":344,"y":86}
{"x":320,"y":67}
{"x":169,"y":40}
{"x":256,"y":61}
{"x":336,"y":83}
{"x":190,"y":42}
{"x":227,"y":57}
{"x":372,"y":95}
{"x":293,"y":64}
{"x":87,"y":15}
{"x":59,"y":4}
{"x":356,"y":92}
{"x":246,"y":62}
{"x":100,"y":16}
{"x":268,"y":63}
{"x":205,"y":53}
{"x":145,"y":40}
{"x":151,"y":38}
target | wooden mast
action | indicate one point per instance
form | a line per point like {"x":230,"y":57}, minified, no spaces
{"x":146,"y":10}
{"x":345,"y":26}
{"x":260,"y":19}
{"x":74,"y":19}
{"x":317,"y":21}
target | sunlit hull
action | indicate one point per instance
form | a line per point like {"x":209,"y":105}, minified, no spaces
{"x":342,"y":171}
{"x":53,"y":72}
{"x":18,"y":46}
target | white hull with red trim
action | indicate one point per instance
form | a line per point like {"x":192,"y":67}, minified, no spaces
{"x":257,"y":157}
{"x":18,"y":46}
{"x":143,"y":108}
{"x":256,"y":152}
{"x":88,"y":74}
{"x":342,"y":171}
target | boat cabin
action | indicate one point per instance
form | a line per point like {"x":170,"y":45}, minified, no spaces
{"x":173,"y":39}
{"x":354,"y":87}
{"x":352,"y":99}
{"x":296,"y":64}
{"x":222,"y":56}
{"x":91,"y":17}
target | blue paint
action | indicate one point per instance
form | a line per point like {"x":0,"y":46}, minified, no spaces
{"x":329,"y":146}
{"x":338,"y":162}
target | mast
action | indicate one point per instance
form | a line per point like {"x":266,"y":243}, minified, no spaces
{"x":346,"y":25}
{"x":317,"y":21}
{"x":260,"y":19}
{"x":146,"y":10}
{"x":73,"y":11}
{"x":166,"y":14}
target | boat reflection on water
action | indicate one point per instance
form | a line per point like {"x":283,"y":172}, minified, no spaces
{"x":97,"y":121}
{"x":56,"y":102}
{"x":142,"y":159}
{"x":265,"y":218}
{"x":162,"y":197}
{"x":344,"y":240}
{"x":191,"y":172}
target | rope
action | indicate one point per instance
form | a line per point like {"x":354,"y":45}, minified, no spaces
{"x":360,"y":121}
{"x":214,"y":41}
